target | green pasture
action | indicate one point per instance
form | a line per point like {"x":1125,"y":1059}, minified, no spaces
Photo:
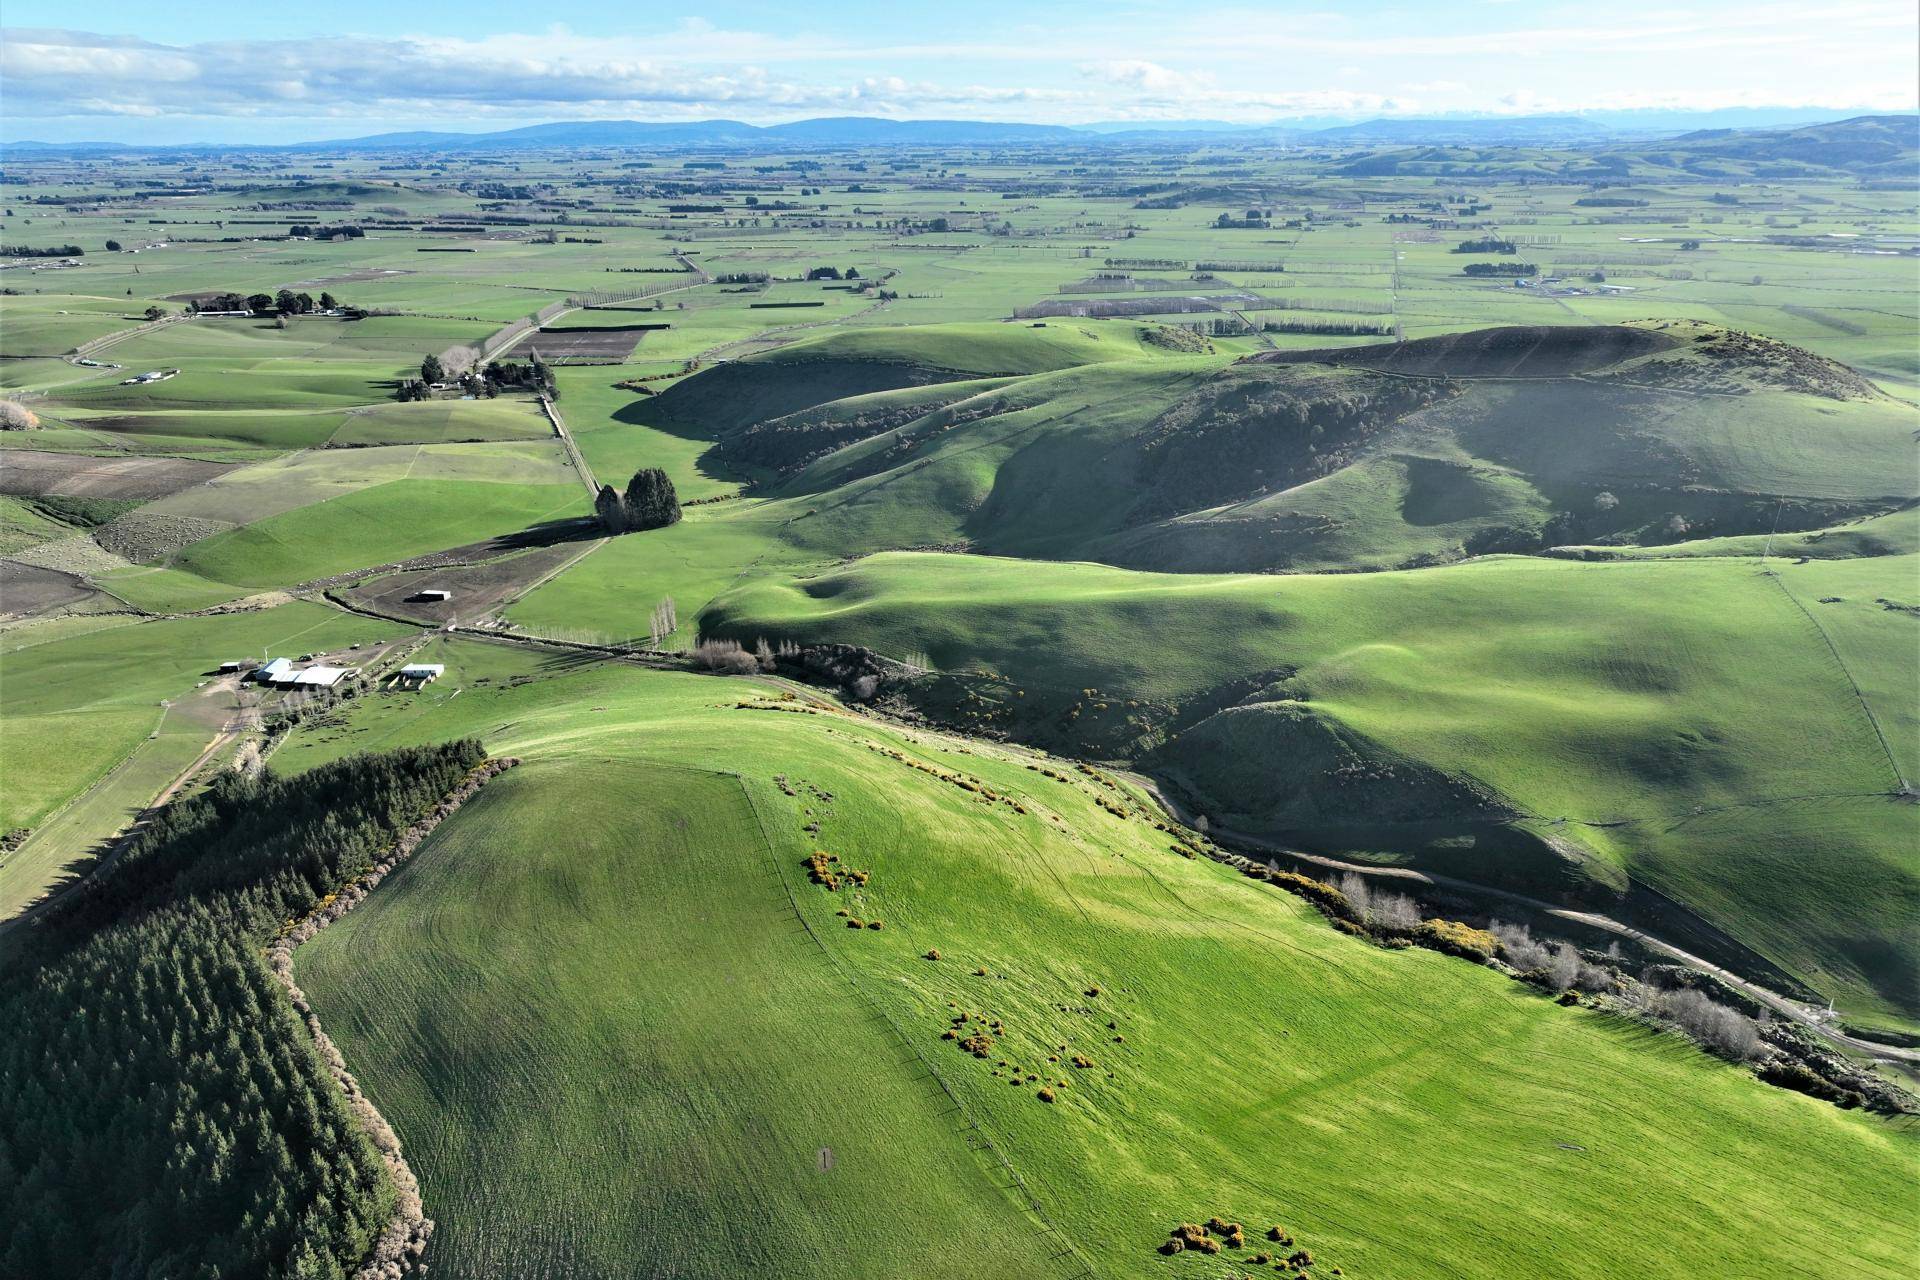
{"x":75,"y":705}
{"x":1256,"y":1065}
{"x":376,"y":525}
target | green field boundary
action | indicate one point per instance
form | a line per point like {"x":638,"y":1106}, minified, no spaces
{"x":1900,"y":784}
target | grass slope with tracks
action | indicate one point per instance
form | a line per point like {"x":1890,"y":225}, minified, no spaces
{"x":621,"y":1032}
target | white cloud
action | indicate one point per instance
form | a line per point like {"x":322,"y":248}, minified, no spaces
{"x":1143,"y":76}
{"x":1243,"y":64}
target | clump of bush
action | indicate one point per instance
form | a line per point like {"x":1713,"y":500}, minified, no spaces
{"x":1457,"y":939}
{"x":1803,"y":1079}
{"x":1381,"y":911}
{"x":1330,"y":900}
{"x":15,"y":416}
{"x":1045,"y":1094}
{"x":819,"y":865}
{"x":1559,"y":967}
{"x":724,"y":657}
{"x":1720,"y":1030}
{"x":1190,"y":1236}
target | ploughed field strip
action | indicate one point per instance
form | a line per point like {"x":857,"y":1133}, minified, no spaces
{"x":564,"y":344}
{"x":28,"y":471}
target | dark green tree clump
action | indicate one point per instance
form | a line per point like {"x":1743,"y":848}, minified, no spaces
{"x":649,"y":503}
{"x":163,"y":1112}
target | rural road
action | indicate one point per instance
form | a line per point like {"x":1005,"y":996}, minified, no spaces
{"x":1806,"y":1015}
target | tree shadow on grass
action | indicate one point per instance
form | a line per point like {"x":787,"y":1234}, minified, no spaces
{"x":641,"y":413}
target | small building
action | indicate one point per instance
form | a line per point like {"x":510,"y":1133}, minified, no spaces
{"x":431,"y":595}
{"x":416,"y":674}
{"x":274,"y":672}
{"x":234,"y":664}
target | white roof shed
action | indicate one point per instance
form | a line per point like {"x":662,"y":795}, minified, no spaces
{"x":321,"y":677}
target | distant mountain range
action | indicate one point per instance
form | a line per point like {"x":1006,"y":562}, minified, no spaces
{"x":851,"y":131}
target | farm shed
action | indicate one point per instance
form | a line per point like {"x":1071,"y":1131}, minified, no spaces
{"x":432,"y":595}
{"x":421,"y":673}
{"x":320,"y":677}
{"x":274,"y":672}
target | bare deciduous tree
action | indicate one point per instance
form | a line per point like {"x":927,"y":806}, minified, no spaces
{"x":1519,"y":948}
{"x":1721,"y":1030}
{"x":1395,"y":911}
{"x":725,"y":657}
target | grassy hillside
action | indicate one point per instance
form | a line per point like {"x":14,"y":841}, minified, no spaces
{"x":1499,"y":440}
{"x":1549,"y":723}
{"x":635,"y":1039}
{"x":835,"y":366}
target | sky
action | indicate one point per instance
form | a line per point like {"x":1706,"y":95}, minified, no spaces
{"x":209,"y":70}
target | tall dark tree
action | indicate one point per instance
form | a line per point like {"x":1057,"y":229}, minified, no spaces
{"x":650,"y":500}
{"x":431,"y":370}
{"x":612,"y":511}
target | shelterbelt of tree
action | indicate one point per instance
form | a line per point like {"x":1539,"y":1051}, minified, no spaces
{"x":163,"y":1112}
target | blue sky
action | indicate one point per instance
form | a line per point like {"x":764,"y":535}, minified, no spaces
{"x":259,"y":72}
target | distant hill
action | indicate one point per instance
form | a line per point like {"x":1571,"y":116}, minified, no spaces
{"x":1530,"y":129}
{"x":1862,"y":141}
{"x":830,"y":131}
{"x":1601,"y":454}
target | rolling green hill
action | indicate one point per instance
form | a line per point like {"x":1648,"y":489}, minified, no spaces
{"x":732,"y":396}
{"x":1563,"y":726}
{"x":1367,"y":457}
{"x":621,"y":1032}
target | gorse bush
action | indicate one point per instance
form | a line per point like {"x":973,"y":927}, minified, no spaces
{"x":149,"y":1048}
{"x":1457,"y":939}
